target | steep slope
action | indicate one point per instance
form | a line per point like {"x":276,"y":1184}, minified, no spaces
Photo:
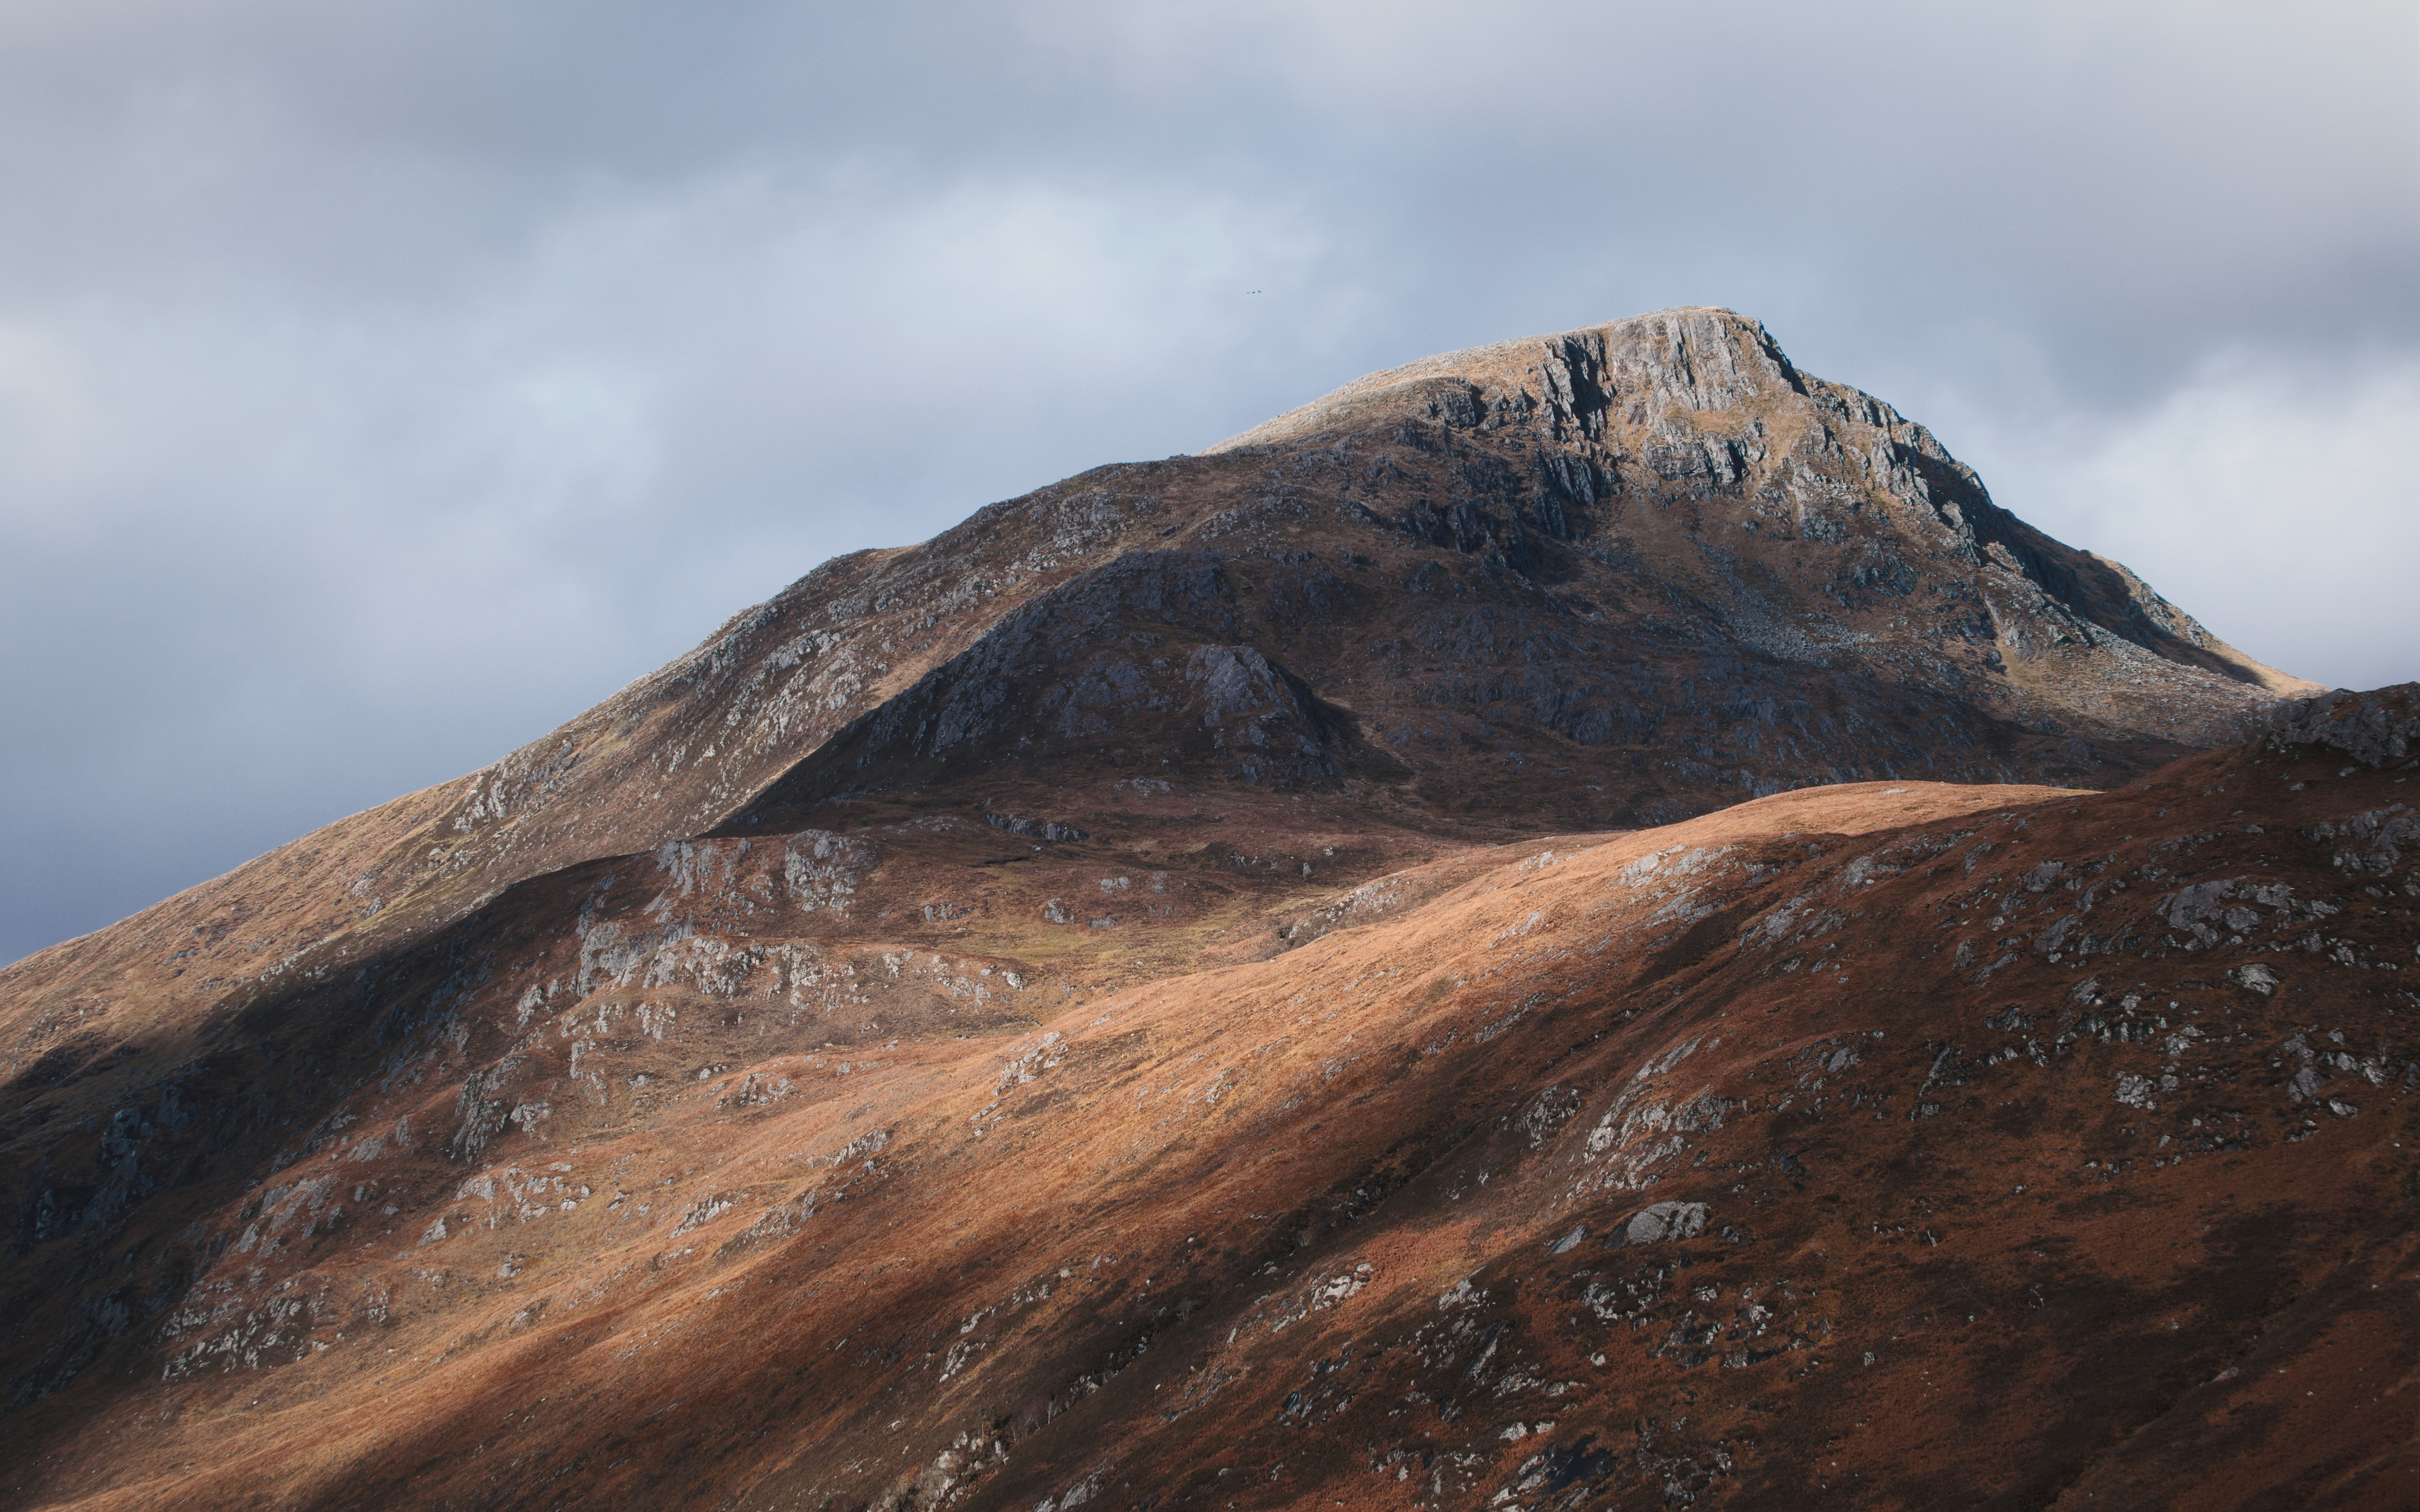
{"x":1919,"y":1142}
{"x":1621,"y":575}
{"x":1693,"y":404}
{"x":1154,"y":728}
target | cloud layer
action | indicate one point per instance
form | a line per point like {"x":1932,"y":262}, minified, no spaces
{"x":380,"y":385}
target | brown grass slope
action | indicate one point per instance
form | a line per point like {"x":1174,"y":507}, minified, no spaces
{"x":705,"y":1102}
{"x":1909,"y":1142}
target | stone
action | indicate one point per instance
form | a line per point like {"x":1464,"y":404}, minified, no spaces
{"x":1660,"y":1223}
{"x":2379,"y":728}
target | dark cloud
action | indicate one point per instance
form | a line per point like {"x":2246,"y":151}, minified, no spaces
{"x":381,"y":383}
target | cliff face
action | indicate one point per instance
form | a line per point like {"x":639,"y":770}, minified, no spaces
{"x":945,"y":946}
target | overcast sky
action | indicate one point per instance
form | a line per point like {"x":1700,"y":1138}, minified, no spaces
{"x":381,"y":383}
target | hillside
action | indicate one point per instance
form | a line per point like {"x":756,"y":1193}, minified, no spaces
{"x":1582,"y":923}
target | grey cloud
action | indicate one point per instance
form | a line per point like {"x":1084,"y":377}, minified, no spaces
{"x":381,"y":383}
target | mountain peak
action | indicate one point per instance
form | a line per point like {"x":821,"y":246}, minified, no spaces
{"x":888,"y":1028}
{"x":1693,"y":356}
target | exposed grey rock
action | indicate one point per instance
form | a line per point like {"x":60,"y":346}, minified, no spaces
{"x":2379,"y":728}
{"x":1663,"y":1221}
{"x":1037,"y":829}
{"x":2303,"y":1085}
{"x":822,"y":869}
{"x":2370,"y":841}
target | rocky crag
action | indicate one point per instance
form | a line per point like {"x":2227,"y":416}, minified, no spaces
{"x":1586,"y":922}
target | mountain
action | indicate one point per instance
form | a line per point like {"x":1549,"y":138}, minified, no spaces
{"x":1228,"y":945}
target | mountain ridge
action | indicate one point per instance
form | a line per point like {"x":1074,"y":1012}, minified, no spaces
{"x":511,"y":808}
{"x":1638,"y":619}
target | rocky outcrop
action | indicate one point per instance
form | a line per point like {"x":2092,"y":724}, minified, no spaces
{"x":1139,"y":664}
{"x":2379,"y":729}
{"x":1700,"y":407}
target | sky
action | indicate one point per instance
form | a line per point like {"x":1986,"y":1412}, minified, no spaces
{"x":380,"y":384}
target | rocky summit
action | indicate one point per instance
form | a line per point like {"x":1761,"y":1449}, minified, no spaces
{"x":1585,"y":923}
